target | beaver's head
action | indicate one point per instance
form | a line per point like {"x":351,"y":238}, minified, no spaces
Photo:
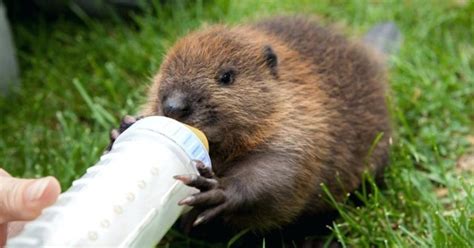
{"x":221,"y":81}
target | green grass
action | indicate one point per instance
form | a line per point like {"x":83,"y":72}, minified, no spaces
{"x":80,"y":77}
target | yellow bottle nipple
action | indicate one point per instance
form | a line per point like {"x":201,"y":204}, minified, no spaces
{"x":200,"y":135}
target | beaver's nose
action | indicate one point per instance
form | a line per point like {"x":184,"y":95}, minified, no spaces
{"x":177,"y":106}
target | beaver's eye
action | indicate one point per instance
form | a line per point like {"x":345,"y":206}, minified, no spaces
{"x":226,"y":77}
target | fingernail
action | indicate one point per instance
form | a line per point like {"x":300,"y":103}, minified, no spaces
{"x":182,"y":178}
{"x":198,"y":221}
{"x":179,"y":177}
{"x":186,"y":200}
{"x":36,"y":189}
{"x":128,"y":119}
{"x":114,"y":134}
{"x":199,"y":164}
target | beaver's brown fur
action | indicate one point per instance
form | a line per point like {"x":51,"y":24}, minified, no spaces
{"x":302,"y":107}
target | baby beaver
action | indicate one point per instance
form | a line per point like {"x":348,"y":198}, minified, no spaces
{"x":287,"y":106}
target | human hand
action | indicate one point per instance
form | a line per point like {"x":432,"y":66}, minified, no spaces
{"x":23,"y":199}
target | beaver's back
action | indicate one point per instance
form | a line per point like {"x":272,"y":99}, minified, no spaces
{"x":354,"y":80}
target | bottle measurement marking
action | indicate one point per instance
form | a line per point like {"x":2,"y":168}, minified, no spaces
{"x":130,"y":196}
{"x":141,"y":184}
{"x":118,"y":209}
{"x":154,"y":171}
{"x":105,"y":223}
{"x":93,"y":235}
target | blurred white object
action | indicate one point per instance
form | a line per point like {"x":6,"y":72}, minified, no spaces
{"x":385,"y":37}
{"x":8,"y":64}
{"x":129,"y":198}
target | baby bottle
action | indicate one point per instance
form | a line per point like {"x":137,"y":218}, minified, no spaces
{"x":129,"y":198}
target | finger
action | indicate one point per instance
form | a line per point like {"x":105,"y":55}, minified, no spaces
{"x":114,"y":134}
{"x":209,"y":214}
{"x":3,"y":234}
{"x":203,"y":170}
{"x":4,"y":173}
{"x":126,"y":122}
{"x":14,"y":228}
{"x":209,"y":198}
{"x":3,"y":227}
{"x":23,"y":199}
{"x":199,"y":182}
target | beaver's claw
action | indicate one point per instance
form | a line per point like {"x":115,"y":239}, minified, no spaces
{"x":126,"y":122}
{"x":209,"y":202}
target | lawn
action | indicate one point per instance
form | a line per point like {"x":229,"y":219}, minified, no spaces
{"x":80,"y":76}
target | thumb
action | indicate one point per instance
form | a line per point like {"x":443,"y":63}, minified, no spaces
{"x":23,"y":199}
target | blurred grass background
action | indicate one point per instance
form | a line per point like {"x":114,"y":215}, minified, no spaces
{"x":81,"y":75}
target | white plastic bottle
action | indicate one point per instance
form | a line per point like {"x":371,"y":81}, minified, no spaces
{"x":129,"y":198}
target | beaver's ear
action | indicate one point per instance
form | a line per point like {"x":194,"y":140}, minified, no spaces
{"x":271,"y":59}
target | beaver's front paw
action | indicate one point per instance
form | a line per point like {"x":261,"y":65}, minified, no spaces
{"x":210,"y":202}
{"x":126,"y":122}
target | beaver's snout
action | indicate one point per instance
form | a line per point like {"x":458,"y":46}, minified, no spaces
{"x":177,"y":106}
